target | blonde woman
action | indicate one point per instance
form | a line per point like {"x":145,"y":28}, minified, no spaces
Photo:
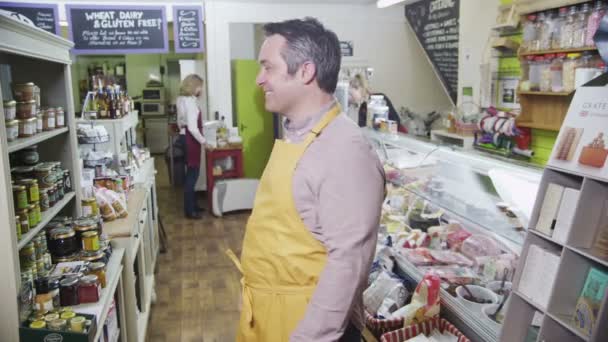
{"x":190,"y":123}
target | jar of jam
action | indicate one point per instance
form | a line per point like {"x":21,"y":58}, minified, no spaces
{"x":99,"y":269}
{"x":45,"y":175}
{"x":18,"y":227}
{"x":48,"y":120}
{"x":90,"y":241}
{"x":67,"y":181}
{"x":20,"y":196}
{"x":77,"y":324}
{"x":44,"y":200}
{"x":10,"y":110}
{"x":23,"y":91}
{"x":54,"y":291}
{"x":62,"y":242}
{"x":44,"y":299}
{"x":27,"y":128}
{"x":22,"y":172}
{"x":58,"y":325}
{"x":98,"y":256}
{"x":27,"y":256}
{"x":89,"y":289}
{"x":89,"y":207}
{"x":52,"y":196}
{"x":59,"y":117}
{"x":39,"y":122}
{"x":37,"y":211}
{"x":59,"y":187}
{"x":23,"y":217}
{"x":67,"y":258}
{"x":25,"y":109}
{"x":12,"y":130}
{"x":31,"y":216}
{"x":29,"y":156}
{"x":33,"y":192}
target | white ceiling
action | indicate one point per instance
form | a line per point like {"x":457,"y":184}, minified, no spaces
{"x":352,"y":2}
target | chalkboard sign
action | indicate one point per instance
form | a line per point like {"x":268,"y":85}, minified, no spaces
{"x":347,"y":48}
{"x":44,"y":16}
{"x":188,"y":29}
{"x":436,"y":24}
{"x":117,"y":29}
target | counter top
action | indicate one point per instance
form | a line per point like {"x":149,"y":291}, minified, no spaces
{"x":125,"y":227}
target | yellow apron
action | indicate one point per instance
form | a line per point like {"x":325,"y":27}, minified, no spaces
{"x":281,"y":259}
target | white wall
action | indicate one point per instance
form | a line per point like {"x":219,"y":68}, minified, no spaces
{"x":242,"y":41}
{"x":380,"y":36}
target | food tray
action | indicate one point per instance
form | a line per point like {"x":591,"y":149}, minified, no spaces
{"x":426,"y":328}
{"x":93,"y":140}
{"x":378,"y":327}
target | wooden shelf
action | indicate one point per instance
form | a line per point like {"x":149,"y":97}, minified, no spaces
{"x":544,"y":93}
{"x":544,"y":52}
{"x":530,"y":124}
{"x":22,"y":143}
{"x":47,"y":216}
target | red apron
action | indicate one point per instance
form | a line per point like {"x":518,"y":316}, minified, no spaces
{"x":193,"y":147}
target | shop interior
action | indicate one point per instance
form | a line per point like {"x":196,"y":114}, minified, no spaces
{"x":489,"y":119}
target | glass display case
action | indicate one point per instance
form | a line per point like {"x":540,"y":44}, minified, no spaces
{"x":444,"y":214}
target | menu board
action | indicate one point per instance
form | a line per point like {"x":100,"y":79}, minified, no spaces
{"x":436,"y":24}
{"x":117,"y":29}
{"x":188,"y":29}
{"x":44,"y":16}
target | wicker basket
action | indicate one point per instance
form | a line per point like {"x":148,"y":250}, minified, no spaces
{"x":378,"y":327}
{"x":426,"y":328}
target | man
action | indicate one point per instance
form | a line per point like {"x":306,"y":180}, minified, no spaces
{"x":311,"y":237}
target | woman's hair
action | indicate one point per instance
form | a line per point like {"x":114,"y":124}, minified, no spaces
{"x":190,"y":84}
{"x":359,"y":82}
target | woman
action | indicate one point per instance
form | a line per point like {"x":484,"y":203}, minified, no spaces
{"x":359,"y":94}
{"x":190,"y":122}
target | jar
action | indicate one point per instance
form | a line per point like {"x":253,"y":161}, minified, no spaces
{"x":77,"y":324}
{"x":68,"y":258}
{"x":38,"y":325}
{"x":10,"y":110}
{"x":48,"y":120}
{"x":54,"y":291}
{"x":45,"y":175}
{"x":44,"y":200}
{"x":51,"y":317}
{"x":22,"y":172}
{"x":35,"y":206}
{"x":569,"y":71}
{"x":59,"y":188}
{"x":12,"y":130}
{"x":39,"y":122}
{"x":89,"y":207}
{"x":58,"y":325}
{"x":93,"y":256}
{"x":62,"y":242}
{"x":88,"y":290}
{"x":23,"y":91}
{"x":27,"y":256}
{"x":29,"y":156}
{"x":20,"y":196}
{"x":31,"y":216}
{"x":33,"y":192}
{"x":68,"y":315}
{"x":90,"y":241}
{"x":44,"y":299}
{"x":22,"y":216}
{"x":535,"y":72}
{"x":99,"y":269}
{"x":52,"y":196}
{"x":545,"y":73}
{"x":26,"y":110}
{"x":40,"y":246}
{"x":18,"y":227}
{"x":59,"y":117}
{"x":67,"y":181}
{"x":27,"y":128}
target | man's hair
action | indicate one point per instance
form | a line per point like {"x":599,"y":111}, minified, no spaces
{"x":309,"y":41}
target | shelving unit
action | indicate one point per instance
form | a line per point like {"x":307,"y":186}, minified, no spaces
{"x":544,"y":52}
{"x":33,"y":55}
{"x":121,"y":131}
{"x":544,"y":93}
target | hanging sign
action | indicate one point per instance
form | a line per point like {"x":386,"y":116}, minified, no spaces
{"x":188,"y":29}
{"x":44,"y":16}
{"x":436,"y":24}
{"x":117,"y":29}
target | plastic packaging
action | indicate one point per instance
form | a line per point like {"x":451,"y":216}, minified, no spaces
{"x":479,"y":245}
{"x":375,"y":294}
{"x":557,"y":66}
{"x":451,"y":258}
{"x":545,"y":73}
{"x":529,"y":33}
{"x":545,"y":30}
{"x":425,"y":301}
{"x":569,"y":71}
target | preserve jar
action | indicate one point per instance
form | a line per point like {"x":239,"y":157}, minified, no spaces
{"x":44,"y":200}
{"x":77,"y":324}
{"x":52,"y":196}
{"x":29,"y":156}
{"x":68,"y":258}
{"x":58,"y":325}
{"x":38,"y":325}
{"x":44,"y":299}
{"x":27,"y":256}
{"x":67,"y":181}
{"x":62,"y":242}
{"x":48,"y":120}
{"x":54,"y":291}
{"x":23,"y":219}
{"x":23,"y":91}
{"x":22,"y":172}
{"x":12,"y":130}
{"x":88,"y":289}
{"x":33,"y":192}
{"x":26,"y":110}
{"x":99,"y":269}
{"x":35,"y":207}
{"x":90,"y":241}
{"x":91,"y":256}
{"x":39,"y":122}
{"x":31,"y":216}
{"x":27,"y":128}
{"x":10,"y":110}
{"x":44,"y":175}
{"x":89,"y":207}
{"x":18,"y":227}
{"x":20,"y":196}
{"x":59,"y":117}
{"x":59,"y":188}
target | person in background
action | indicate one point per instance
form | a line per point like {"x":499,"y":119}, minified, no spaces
{"x":190,"y":123}
{"x":311,"y":237}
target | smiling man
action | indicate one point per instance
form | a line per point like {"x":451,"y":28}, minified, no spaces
{"x":311,"y":236}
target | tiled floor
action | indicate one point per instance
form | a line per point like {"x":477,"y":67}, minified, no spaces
{"x":197,"y":286}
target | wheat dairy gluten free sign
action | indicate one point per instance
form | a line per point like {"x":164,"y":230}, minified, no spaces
{"x":188,"y":29}
{"x":117,"y":29}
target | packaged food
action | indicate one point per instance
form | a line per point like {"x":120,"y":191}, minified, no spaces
{"x":59,"y":117}
{"x":48,"y":119}
{"x":27,"y":128}
{"x":63,"y":242}
{"x":450,"y":258}
{"x":375,"y":294}
{"x":456,"y":237}
{"x":23,"y":91}
{"x":20,"y":196}
{"x":452,"y":273}
{"x":26,"y":110}
{"x":12,"y":130}
{"x":10,"y":110}
{"x":479,"y":245}
{"x":425,"y":302}
{"x":39,"y":122}
{"x":418,"y":256}
{"x":105,"y":207}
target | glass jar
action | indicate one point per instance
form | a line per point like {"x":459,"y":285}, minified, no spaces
{"x":535,"y":71}
{"x":12,"y":130}
{"x":31,"y":216}
{"x":40,"y":246}
{"x":580,"y":26}
{"x":90,"y":241}
{"x":92,"y":256}
{"x":89,"y":290}
{"x":68,"y":291}
{"x":10,"y":110}
{"x":529,"y":33}
{"x":544,"y":26}
{"x":44,"y":200}
{"x":67,"y":181}
{"x":38,"y":325}
{"x":68,"y":258}
{"x":39,"y":122}
{"x":89,"y":207}
{"x":26,"y":110}
{"x":60,"y":190}
{"x":545,"y":73}
{"x":52,"y":196}
{"x":58,"y":325}
{"x":62,"y":242}
{"x":593,"y":23}
{"x":50,"y":317}
{"x":44,"y":299}
{"x":20,"y":196}
{"x":27,"y":128}
{"x":23,"y":91}
{"x":22,"y":172}
{"x":33,"y":192}
{"x":586,"y":70}
{"x":27,"y":256}
{"x":54,"y":291}
{"x":68,"y":315}
{"x":77,"y":324}
{"x":18,"y":227}
{"x":569,"y":71}
{"x":22,"y":216}
{"x":557,"y":28}
{"x":99,"y":269}
{"x":29,"y":156}
{"x":59,"y":117}
{"x":48,"y":120}
{"x":37,"y":211}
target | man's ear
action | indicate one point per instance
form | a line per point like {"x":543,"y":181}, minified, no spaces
{"x":308,"y":72}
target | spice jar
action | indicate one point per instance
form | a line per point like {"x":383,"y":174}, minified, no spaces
{"x":52,"y":196}
{"x":32,"y":190}
{"x":58,"y":325}
{"x":48,"y":119}
{"x":67,"y":181}
{"x":39,"y":122}
{"x":44,"y":200}
{"x":89,"y":290}
{"x":99,"y":269}
{"x":77,"y":324}
{"x":23,"y":91}
{"x":90,"y":241}
{"x":68,"y":292}
{"x":62,"y":242}
{"x":27,"y":128}
{"x":31,"y":216}
{"x":20,"y":196}
{"x":22,"y":216}
{"x":10,"y":110}
{"x":59,"y":188}
{"x":26,"y":110}
{"x":54,"y":291}
{"x":45,"y":175}
{"x":59,"y":117}
{"x":12,"y":130}
{"x":89,"y":207}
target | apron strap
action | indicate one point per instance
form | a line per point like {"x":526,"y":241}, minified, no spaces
{"x":332,"y":114}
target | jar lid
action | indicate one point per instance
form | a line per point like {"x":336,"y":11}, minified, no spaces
{"x":18,"y":187}
{"x":59,"y":109}
{"x":12,"y":123}
{"x":45,"y":167}
{"x":42,"y":285}
{"x":38,"y":324}
{"x":94,"y":266}
{"x":89,"y":279}
{"x":91,"y":255}
{"x":9,"y":103}
{"x":90,"y":233}
{"x":27,"y":181}
{"x":70,"y":281}
{"x":28,"y":120}
{"x":24,"y":84}
{"x":62,"y":233}
{"x":58,"y":324}
{"x":26,"y":102}
{"x":574,"y":55}
{"x":22,"y":169}
{"x":68,"y":315}
{"x":51,"y":317}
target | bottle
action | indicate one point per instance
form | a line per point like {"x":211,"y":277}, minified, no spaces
{"x":540,"y":28}
{"x":529,"y":32}
{"x":547,"y":31}
{"x":545,"y":73}
{"x":101,"y":105}
{"x":557,"y":65}
{"x":111,"y":108}
{"x":535,"y":70}
{"x":567,"y":34}
{"x":524,"y":84}
{"x":593,"y":23}
{"x":557,"y":28}
{"x":580,"y":27}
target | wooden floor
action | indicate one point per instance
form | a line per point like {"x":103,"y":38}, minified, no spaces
{"x":197,"y":286}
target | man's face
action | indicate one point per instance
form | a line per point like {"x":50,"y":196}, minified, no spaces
{"x":281,"y":90}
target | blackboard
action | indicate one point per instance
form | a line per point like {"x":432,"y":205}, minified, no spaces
{"x":188,"y":29}
{"x":44,"y":16}
{"x":436,"y":24}
{"x":347,"y":48}
{"x":117,"y":29}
